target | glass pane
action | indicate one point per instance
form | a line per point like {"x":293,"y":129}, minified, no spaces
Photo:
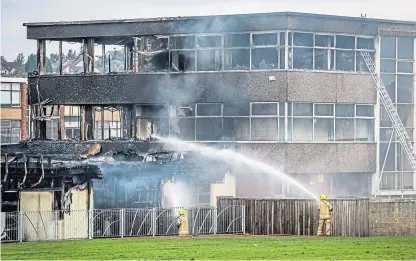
{"x":405,"y":48}
{"x":344,"y":129}
{"x":302,"y":58}
{"x":364,"y":130}
{"x":16,"y":98}
{"x":322,"y":58}
{"x":182,"y":42}
{"x":237,"y":40}
{"x":389,"y":82}
{"x":237,"y":59}
{"x":236,"y":109}
{"x":265,"y":39}
{"x":408,"y":180}
{"x":209,"y":60}
{"x":264,"y":129}
{"x":16,"y":86}
{"x":365,"y":110}
{"x":5,"y":86}
{"x":345,"y":60}
{"x":390,"y":161}
{"x":302,"y":129}
{"x":209,"y":129}
{"x":5,"y":98}
{"x":385,"y":134}
{"x":15,"y":124}
{"x":183,"y":128}
{"x":282,"y":58}
{"x":182,"y":61}
{"x":405,"y":89}
{"x":302,"y":39}
{"x":345,"y":42}
{"x":324,"y":129}
{"x":5,"y":123}
{"x":365,"y":43}
{"x":406,"y":114}
{"x":344,"y":110}
{"x":282,"y":128}
{"x":388,"y":66}
{"x":208,"y":109}
{"x":361,"y":66}
{"x":388,"y":47}
{"x":264,"y":109}
{"x":282,"y":38}
{"x":403,"y":163}
{"x":404,"y":67}
{"x":388,"y":181}
{"x":302,"y":109}
{"x":384,"y":118}
{"x":281,"y":109}
{"x":236,"y":129}
{"x":207,"y":41}
{"x":324,"y":40}
{"x":264,"y":58}
{"x":324,"y":109}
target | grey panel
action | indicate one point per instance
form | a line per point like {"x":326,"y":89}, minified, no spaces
{"x":315,"y":158}
{"x":397,"y":29}
{"x":356,"y":88}
{"x":160,"y":88}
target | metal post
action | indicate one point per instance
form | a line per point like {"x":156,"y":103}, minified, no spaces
{"x":90,"y":224}
{"x":214,"y":225}
{"x":243,"y":218}
{"x":154,"y":221}
{"x":122,"y":222}
{"x":56,"y":219}
{"x":20,"y":226}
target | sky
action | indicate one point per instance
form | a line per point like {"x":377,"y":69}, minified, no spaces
{"x":15,"y":12}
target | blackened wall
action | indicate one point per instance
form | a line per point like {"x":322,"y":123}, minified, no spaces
{"x":205,"y":87}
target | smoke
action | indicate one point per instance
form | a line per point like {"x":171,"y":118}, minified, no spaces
{"x":177,"y":195}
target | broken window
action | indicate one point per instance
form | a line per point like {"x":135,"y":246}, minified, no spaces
{"x":345,"y":42}
{"x":236,"y":109}
{"x":344,"y":129}
{"x":209,"y":60}
{"x":182,"y":42}
{"x":209,"y":109}
{"x":153,"y":53}
{"x":236,"y":59}
{"x":365,"y":43}
{"x":345,"y":60}
{"x":237,"y":40}
{"x":302,"y":58}
{"x":236,"y":129}
{"x":209,"y":41}
{"x":182,"y":53}
{"x":263,"y":56}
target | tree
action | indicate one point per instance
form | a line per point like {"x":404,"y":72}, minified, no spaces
{"x":20,"y":59}
{"x":31,"y":63}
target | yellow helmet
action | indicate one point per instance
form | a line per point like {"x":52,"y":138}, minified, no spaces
{"x":323,"y":196}
{"x":182,"y":212}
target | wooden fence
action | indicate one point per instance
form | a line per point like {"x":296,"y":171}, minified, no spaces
{"x":300,"y":217}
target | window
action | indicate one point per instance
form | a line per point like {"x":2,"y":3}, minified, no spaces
{"x":182,"y":53}
{"x":10,"y":131}
{"x":209,"y":122}
{"x":112,"y":129}
{"x":237,"y":52}
{"x":330,"y":122}
{"x":10,"y":94}
{"x":267,"y":51}
{"x":72,"y":122}
{"x":236,"y":122}
{"x":209,"y":52}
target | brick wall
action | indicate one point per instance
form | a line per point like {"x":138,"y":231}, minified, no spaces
{"x":23,"y":123}
{"x":393,"y":217}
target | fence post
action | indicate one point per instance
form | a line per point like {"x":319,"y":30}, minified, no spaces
{"x":153,"y":221}
{"x":90,"y":223}
{"x":122,"y":222}
{"x":214,"y":225}
{"x":20,"y":226}
{"x":243,"y":218}
{"x":56,"y":221}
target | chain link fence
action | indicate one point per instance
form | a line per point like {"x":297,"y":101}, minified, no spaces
{"x":112,"y":223}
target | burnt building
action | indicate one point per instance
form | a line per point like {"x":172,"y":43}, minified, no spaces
{"x":290,"y":89}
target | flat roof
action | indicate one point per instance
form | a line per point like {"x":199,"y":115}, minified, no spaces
{"x":13,"y":79}
{"x":159,"y":19}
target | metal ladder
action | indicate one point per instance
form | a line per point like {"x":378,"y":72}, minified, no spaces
{"x":398,"y":127}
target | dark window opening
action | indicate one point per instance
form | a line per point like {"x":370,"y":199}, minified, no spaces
{"x":209,"y":129}
{"x":265,"y":58}
{"x":182,"y":42}
{"x":237,"y":59}
{"x":236,"y":129}
{"x":236,"y":109}
{"x":209,"y":41}
{"x":57,"y":204}
{"x":182,"y":61}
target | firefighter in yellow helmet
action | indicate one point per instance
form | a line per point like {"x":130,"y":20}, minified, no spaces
{"x":182,"y":223}
{"x":325,"y":211}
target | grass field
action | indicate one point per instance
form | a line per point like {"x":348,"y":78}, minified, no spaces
{"x":217,"y":247}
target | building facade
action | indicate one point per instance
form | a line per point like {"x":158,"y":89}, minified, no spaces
{"x":291,"y":89}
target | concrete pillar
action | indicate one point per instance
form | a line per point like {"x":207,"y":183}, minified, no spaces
{"x":61,"y":123}
{"x":89,"y":122}
{"x":41,"y":57}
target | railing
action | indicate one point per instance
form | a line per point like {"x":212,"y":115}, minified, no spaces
{"x":111,"y":223}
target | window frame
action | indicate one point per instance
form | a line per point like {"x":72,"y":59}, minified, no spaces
{"x":10,"y":92}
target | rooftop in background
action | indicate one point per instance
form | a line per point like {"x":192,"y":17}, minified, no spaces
{"x":158,"y":19}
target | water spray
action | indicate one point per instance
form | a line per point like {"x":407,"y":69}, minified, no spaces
{"x":233,"y":156}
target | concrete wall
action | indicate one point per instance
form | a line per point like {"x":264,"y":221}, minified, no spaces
{"x":227,"y":188}
{"x":393,"y":217}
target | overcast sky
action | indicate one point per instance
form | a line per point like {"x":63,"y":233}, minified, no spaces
{"x":15,"y":12}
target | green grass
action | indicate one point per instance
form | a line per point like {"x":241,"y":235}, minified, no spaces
{"x":216,"y":247}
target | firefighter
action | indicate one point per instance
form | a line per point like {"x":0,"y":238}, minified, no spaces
{"x":182,"y":223}
{"x":325,"y":210}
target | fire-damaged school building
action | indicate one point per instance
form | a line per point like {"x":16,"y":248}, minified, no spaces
{"x":289,"y":89}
